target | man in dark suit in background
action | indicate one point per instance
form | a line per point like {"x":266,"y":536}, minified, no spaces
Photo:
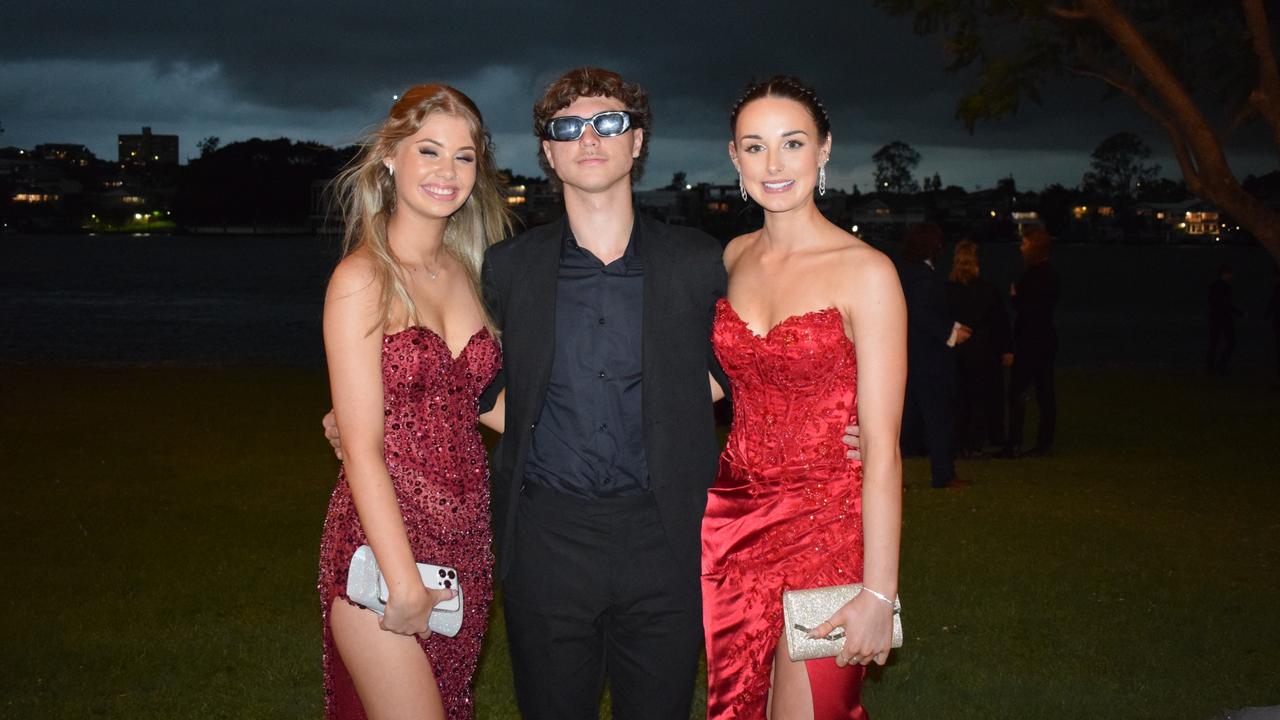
{"x":1222,"y":322}
{"x":1035,"y":341}
{"x":600,"y":480}
{"x":931,"y":367}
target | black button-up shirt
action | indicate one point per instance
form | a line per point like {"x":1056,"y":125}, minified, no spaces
{"x":589,"y":440}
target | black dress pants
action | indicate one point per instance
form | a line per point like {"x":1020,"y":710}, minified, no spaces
{"x":593,"y":592}
{"x":1222,"y":343}
{"x":931,"y":406}
{"x":1035,"y":371}
{"x":980,"y":404}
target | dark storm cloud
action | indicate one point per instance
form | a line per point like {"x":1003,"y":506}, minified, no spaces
{"x":327,"y":70}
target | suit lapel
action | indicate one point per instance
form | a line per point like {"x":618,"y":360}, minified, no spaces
{"x":538,"y":315}
{"x":654,"y":253}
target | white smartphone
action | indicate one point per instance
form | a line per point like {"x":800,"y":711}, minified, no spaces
{"x":434,"y":577}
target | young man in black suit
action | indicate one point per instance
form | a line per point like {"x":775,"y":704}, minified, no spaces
{"x":932,"y":335}
{"x":600,"y":480}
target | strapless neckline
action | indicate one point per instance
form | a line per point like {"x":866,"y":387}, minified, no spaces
{"x":440,"y":338}
{"x":830,"y":310}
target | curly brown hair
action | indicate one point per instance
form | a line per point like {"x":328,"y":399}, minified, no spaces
{"x":593,"y":82}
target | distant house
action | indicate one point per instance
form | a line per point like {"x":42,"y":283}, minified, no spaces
{"x":148,"y":149}
{"x":876,"y":219}
{"x":1189,"y":220}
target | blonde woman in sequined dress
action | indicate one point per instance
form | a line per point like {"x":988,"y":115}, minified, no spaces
{"x":409,"y":350}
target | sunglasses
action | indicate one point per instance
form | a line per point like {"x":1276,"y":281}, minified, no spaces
{"x":609,"y":123}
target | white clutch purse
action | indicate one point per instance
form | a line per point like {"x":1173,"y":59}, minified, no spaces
{"x":366,"y":587}
{"x":803,"y":610}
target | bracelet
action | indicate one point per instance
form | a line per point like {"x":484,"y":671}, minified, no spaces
{"x":881,"y":597}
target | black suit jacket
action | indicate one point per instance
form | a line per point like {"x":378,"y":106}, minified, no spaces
{"x":683,"y":276}
{"x":1035,"y":334}
{"x":929,"y":320}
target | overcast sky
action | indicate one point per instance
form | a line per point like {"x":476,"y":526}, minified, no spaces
{"x":84,"y":71}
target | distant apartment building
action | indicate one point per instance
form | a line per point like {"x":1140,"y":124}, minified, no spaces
{"x":148,"y":149}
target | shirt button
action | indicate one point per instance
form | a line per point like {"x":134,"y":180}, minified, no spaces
{"x":601,"y":374}
{"x":601,"y":321}
{"x":604,"y":426}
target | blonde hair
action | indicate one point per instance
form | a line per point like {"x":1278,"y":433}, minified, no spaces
{"x":366,"y":193}
{"x":964,"y":263}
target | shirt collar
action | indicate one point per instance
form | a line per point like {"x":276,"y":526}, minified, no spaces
{"x":629,"y":256}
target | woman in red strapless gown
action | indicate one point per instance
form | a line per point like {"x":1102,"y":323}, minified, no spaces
{"x":409,"y":352}
{"x":789,"y":509}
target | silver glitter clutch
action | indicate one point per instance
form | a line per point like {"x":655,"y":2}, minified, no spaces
{"x":366,"y":587}
{"x":803,"y":610}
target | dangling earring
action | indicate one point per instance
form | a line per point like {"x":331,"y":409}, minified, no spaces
{"x":822,"y":179}
{"x":742,"y":189}
{"x":391,"y":171}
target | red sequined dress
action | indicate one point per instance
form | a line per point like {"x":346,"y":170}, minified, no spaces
{"x":786,"y":508}
{"x":438,"y":466}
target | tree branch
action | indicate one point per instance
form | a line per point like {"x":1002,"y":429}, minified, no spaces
{"x":1186,"y":161}
{"x":1267,"y":97}
{"x":1192,"y":128}
{"x":1068,"y":13}
{"x":1243,"y":113}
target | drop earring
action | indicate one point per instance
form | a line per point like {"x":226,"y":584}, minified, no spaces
{"x":822,"y":179}
{"x":391,"y":171}
{"x":742,"y":189}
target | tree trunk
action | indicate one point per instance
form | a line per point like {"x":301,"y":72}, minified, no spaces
{"x":1199,"y":150}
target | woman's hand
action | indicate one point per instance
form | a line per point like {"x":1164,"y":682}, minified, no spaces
{"x":409,"y":611}
{"x":330,"y":424}
{"x":868,"y":630}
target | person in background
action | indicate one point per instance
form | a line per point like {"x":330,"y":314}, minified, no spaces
{"x":932,"y":335}
{"x":1035,"y":340}
{"x":977,"y":304}
{"x":1273,"y":313}
{"x":1222,"y":322}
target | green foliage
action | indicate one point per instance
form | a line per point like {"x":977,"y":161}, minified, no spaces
{"x":1018,"y":47}
{"x":895,"y":163}
{"x":255,"y":181}
{"x":1120,"y":164}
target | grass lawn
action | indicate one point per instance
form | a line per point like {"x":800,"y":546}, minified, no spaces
{"x":160,"y":531}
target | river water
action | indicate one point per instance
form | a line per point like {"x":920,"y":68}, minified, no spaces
{"x":257,"y":300}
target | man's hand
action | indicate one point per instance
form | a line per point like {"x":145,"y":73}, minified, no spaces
{"x":853,"y":438}
{"x":330,"y":423}
{"x":1006,"y":359}
{"x":963,"y":332}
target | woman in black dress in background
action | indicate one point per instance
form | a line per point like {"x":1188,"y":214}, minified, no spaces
{"x":976,"y":303}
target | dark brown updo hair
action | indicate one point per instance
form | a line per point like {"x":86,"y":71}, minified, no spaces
{"x":790,"y":88}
